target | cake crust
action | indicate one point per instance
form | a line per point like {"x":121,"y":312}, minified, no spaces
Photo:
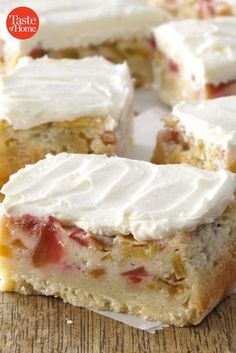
{"x":188,"y":66}
{"x":75,"y":106}
{"x":200,"y":134}
{"x":202,"y":276}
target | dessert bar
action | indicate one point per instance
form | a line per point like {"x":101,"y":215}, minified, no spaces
{"x":53,"y":106}
{"x":119,"y":30}
{"x":108,"y":233}
{"x":202,"y":134}
{"x":195,"y":59}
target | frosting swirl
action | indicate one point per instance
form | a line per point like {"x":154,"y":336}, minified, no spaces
{"x":46,"y":90}
{"x":117,"y":195}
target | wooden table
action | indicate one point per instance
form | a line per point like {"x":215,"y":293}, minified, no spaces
{"x":40,"y":325}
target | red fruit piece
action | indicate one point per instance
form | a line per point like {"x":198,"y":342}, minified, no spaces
{"x":136,"y":275}
{"x":173,"y":67}
{"x":152,"y":43}
{"x":222,"y":90}
{"x":109,"y":137}
{"x":109,"y":58}
{"x":206,"y":9}
{"x":37,"y":53}
{"x":49,"y":248}
{"x":80,"y":236}
{"x":172,"y":4}
{"x":169,"y":136}
{"x":29,"y":224}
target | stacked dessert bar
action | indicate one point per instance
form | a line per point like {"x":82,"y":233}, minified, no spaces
{"x":202,"y":134}
{"x":68,"y":105}
{"x":195,"y":59}
{"x":119,"y":30}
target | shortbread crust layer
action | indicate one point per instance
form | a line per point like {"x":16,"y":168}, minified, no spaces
{"x":84,"y":135}
{"x":202,"y":134}
{"x":175,"y":281}
{"x":174,"y":147}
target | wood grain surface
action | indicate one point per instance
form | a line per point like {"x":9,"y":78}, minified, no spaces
{"x":38,"y":324}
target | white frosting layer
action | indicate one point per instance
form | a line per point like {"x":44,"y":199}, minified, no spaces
{"x":46,"y":90}
{"x":213,"y":121}
{"x":75,"y":23}
{"x":115,"y":195}
{"x":205,"y":50}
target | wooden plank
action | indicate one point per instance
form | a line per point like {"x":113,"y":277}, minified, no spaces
{"x":35,"y":324}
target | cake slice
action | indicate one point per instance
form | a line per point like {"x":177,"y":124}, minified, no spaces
{"x":108,"y":233}
{"x":53,"y":106}
{"x":119,"y":30}
{"x":206,"y":8}
{"x":195,"y":59}
{"x":202,"y":134}
{"x":197,"y":8}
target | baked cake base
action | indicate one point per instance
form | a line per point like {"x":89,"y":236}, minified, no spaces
{"x":174,"y":147}
{"x":137,"y":52}
{"x":172,"y":87}
{"x":84,"y":135}
{"x":177,"y":280}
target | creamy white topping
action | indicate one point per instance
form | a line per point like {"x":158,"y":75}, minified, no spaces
{"x":213,"y":121}
{"x":47,"y":90}
{"x":115,"y":195}
{"x":75,"y":23}
{"x":205,"y":50}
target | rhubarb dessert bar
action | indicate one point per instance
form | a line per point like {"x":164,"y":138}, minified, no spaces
{"x":200,"y":133}
{"x":119,"y":30}
{"x":109,"y":233}
{"x":54,"y":106}
{"x":197,"y":8}
{"x":195,"y":59}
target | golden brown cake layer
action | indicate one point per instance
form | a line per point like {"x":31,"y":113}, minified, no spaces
{"x":137,"y":52}
{"x":172,"y":87}
{"x":174,"y":147}
{"x":177,"y":280}
{"x":85,"y":135}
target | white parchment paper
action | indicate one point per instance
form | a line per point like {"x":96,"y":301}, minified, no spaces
{"x":147,"y":123}
{"x":149,"y":326}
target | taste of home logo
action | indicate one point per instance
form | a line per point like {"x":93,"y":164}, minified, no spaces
{"x":22,"y":22}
